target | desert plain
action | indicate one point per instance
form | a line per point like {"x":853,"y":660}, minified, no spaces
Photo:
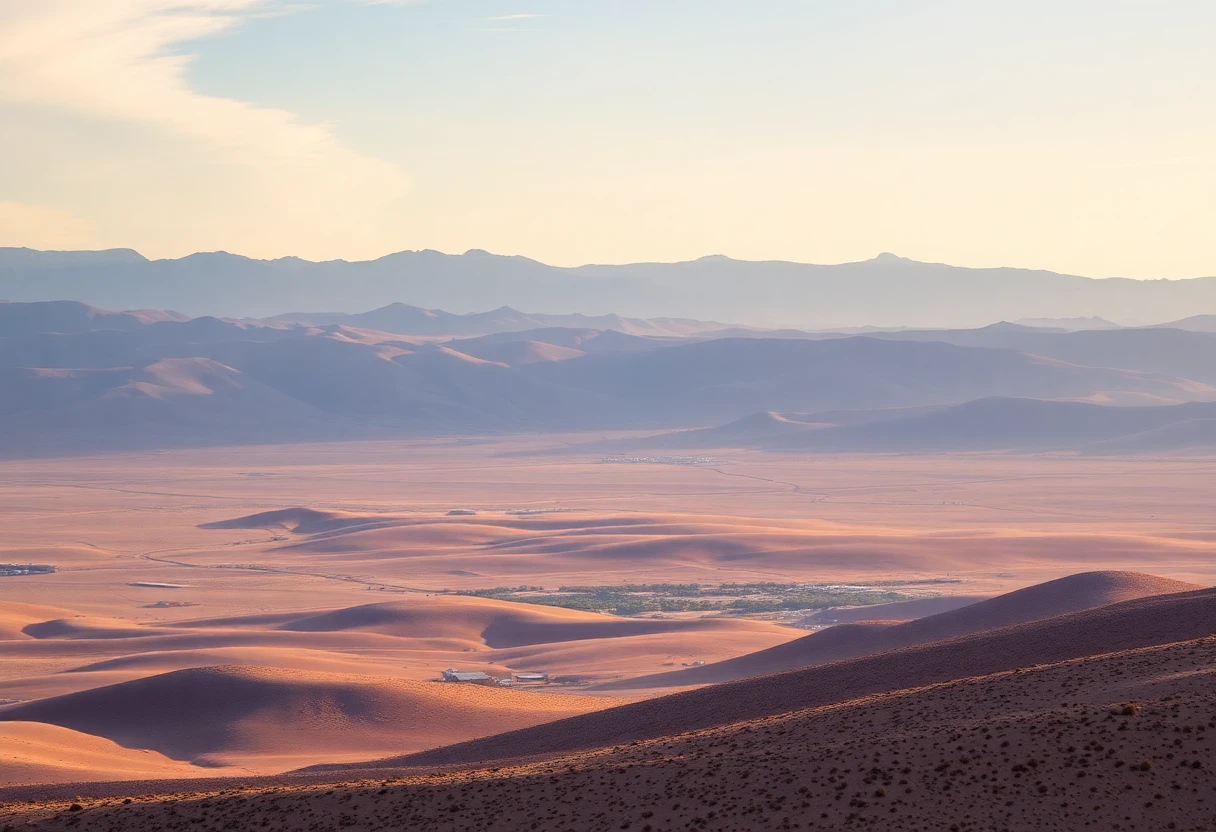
{"x":254,"y":610}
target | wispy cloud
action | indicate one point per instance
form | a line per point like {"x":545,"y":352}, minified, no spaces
{"x":124,"y":61}
{"x":117,"y":59}
{"x":514,"y":17}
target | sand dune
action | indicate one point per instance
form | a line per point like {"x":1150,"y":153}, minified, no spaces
{"x":502,"y":546}
{"x":1094,"y":741}
{"x":291,"y":658}
{"x":300,"y":520}
{"x":52,"y":652}
{"x":1034,"y":603}
{"x":1129,"y":625}
{"x":833,"y":644}
{"x":1071,"y":594}
{"x":272,"y":718}
{"x":34,"y":752}
{"x":81,"y":627}
{"x":495,"y":548}
{"x":992,"y":524}
{"x":894,"y":611}
{"x":494,"y":623}
{"x":1074,"y":593}
{"x":15,"y":617}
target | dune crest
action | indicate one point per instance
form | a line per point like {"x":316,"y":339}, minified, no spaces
{"x":35,"y":752}
{"x":1064,"y":595}
{"x":273,"y":718}
{"x":1143,"y":622}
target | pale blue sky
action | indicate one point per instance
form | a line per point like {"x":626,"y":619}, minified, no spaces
{"x":1075,"y":135}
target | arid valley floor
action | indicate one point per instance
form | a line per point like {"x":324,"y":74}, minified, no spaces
{"x":248,"y":612}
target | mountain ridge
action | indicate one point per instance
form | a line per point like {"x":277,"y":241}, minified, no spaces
{"x":883,"y":291}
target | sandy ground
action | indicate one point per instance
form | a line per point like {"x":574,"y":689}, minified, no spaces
{"x":155,"y":578}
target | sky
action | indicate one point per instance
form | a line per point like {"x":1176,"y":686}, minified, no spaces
{"x":1071,"y":135}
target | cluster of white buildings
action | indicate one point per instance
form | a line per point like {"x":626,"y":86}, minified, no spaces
{"x":477,"y":677}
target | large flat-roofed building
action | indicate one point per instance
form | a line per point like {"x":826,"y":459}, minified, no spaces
{"x":453,"y":675}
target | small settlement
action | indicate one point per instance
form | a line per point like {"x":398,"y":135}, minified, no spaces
{"x":477,"y":677}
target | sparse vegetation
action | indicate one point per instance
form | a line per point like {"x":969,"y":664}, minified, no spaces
{"x":13,"y":569}
{"x":726,"y":598}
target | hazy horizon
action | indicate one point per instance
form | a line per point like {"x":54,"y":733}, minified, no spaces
{"x":1068,"y":136}
{"x":881,"y":256}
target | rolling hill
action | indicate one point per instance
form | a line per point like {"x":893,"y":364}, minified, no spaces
{"x":152,"y":381}
{"x":726,"y":379}
{"x":1172,"y":351}
{"x":1194,"y":323}
{"x":1066,"y":595}
{"x":70,"y":317}
{"x":272,"y":718}
{"x":1095,"y":714}
{"x":1130,"y":625}
{"x":168,"y":403}
{"x":1095,"y":741}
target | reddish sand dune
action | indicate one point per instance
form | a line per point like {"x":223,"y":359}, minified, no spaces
{"x":894,"y":611}
{"x":83,"y":627}
{"x":298,"y":520}
{"x":495,"y":548}
{"x":1071,"y":594}
{"x":292,"y":658}
{"x":270,"y":718}
{"x":33,"y":752}
{"x":413,"y":638}
{"x":1065,"y":595}
{"x":833,"y":644}
{"x":1129,"y":625}
{"x":1114,"y":741}
{"x":16,"y":617}
{"x":496,"y":624}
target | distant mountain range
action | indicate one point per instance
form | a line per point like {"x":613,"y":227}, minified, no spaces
{"x":75,"y":378}
{"x":887,"y":291}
